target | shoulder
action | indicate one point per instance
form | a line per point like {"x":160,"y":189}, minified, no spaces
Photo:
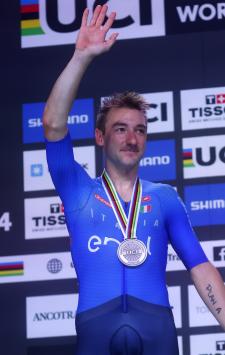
{"x":158,"y":188}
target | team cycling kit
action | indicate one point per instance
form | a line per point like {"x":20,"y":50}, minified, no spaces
{"x":122,"y":310}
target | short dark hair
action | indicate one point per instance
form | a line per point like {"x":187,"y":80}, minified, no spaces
{"x":127,"y":99}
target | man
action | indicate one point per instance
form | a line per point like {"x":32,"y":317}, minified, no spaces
{"x":120,"y":260}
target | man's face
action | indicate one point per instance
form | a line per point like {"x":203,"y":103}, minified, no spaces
{"x":124,"y":138}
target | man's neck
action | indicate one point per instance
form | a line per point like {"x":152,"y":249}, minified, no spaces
{"x":123,"y":181}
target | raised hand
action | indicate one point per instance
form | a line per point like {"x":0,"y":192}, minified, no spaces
{"x":91,"y":39}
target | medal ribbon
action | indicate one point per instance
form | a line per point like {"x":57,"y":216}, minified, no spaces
{"x":128,"y":225}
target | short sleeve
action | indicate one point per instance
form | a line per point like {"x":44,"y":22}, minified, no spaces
{"x":181,"y":234}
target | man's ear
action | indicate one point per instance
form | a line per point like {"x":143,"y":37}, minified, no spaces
{"x":99,"y":137}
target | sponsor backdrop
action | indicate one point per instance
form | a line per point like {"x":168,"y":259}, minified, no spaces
{"x":171,"y":51}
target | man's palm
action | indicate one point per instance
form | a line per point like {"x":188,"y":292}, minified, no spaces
{"x":92,"y":37}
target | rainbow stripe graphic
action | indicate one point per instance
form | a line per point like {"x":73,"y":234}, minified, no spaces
{"x":30,"y":23}
{"x":188,"y":158}
{"x":12,"y":268}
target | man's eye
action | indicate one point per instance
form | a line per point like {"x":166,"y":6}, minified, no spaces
{"x":141,"y":131}
{"x":120,"y":129}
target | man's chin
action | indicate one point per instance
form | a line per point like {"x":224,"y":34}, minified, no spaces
{"x":128,"y":164}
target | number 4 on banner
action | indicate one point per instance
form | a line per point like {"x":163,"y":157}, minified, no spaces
{"x":5,"y":222}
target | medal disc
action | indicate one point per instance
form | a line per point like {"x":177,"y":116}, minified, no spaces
{"x":132,"y":252}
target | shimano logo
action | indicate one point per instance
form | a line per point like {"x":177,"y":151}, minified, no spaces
{"x":157,"y":160}
{"x":207,"y":205}
{"x":202,"y":12}
{"x":77,"y":119}
{"x":35,"y":122}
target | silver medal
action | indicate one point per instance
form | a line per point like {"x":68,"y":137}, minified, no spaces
{"x":132,"y":252}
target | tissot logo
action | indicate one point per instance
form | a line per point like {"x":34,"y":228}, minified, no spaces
{"x":80,"y":121}
{"x":204,"y":156}
{"x":44,"y":218}
{"x":205,"y":203}
{"x":158,"y":163}
{"x":220,"y":345}
{"x":57,"y":22}
{"x":194,"y":16}
{"x":203,"y":108}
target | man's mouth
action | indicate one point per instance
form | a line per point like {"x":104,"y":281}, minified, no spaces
{"x":130,"y":149}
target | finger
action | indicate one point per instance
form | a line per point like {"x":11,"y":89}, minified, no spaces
{"x":112,"y":39}
{"x":109,"y":22}
{"x":85,"y":17}
{"x":101,"y":16}
{"x":95,"y":15}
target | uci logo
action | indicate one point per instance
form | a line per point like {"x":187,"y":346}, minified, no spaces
{"x":210,"y":157}
{"x":77,"y":8}
{"x":204,"y":156}
{"x":60,"y":20}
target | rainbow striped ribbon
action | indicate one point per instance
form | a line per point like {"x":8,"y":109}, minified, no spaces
{"x":128,"y":225}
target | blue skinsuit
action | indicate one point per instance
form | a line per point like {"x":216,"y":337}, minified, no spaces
{"x":121,"y":310}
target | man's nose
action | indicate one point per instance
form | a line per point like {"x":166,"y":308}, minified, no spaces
{"x":131,"y":137}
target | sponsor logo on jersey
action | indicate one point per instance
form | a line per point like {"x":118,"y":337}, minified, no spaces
{"x":80,"y":121}
{"x":194,"y":16}
{"x":53,"y":22}
{"x":158,"y":163}
{"x":205,"y":204}
{"x":51,"y":316}
{"x":101,"y":199}
{"x":146,"y":198}
{"x":203,"y":108}
{"x":95,"y":243}
{"x":204,"y":156}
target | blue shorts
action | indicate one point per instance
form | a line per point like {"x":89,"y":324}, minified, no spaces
{"x":140,"y":329}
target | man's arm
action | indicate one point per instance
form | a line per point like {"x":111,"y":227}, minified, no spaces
{"x":91,"y":41}
{"x":210,"y":287}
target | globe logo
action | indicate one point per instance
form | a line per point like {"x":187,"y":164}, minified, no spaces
{"x":54,"y":266}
